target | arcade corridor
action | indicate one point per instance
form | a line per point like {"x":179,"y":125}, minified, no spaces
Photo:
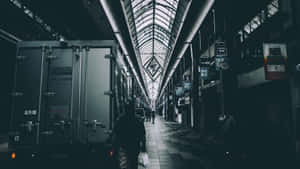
{"x":80,"y":80}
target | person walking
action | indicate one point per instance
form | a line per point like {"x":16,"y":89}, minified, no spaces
{"x":153,"y":116}
{"x":129,"y":138}
{"x":148,"y":115}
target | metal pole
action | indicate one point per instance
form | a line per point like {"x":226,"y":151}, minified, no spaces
{"x":222,"y":93}
{"x":40,"y":94}
{"x":221,"y":71}
{"x":200,"y":48}
{"x":193,"y":98}
{"x":214,"y":21}
{"x":79,"y":90}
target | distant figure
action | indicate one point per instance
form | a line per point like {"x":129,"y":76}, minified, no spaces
{"x":148,"y":115}
{"x":153,"y":116}
{"x":129,"y":138}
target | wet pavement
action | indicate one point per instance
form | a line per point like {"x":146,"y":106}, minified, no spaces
{"x":171,"y":146}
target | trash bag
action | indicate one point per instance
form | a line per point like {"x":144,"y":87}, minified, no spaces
{"x":143,"y":159}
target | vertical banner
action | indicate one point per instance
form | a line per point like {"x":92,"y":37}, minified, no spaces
{"x":187,"y":84}
{"x":221,"y":55}
{"x":275,"y":57}
{"x":179,"y":91}
{"x":204,"y":66}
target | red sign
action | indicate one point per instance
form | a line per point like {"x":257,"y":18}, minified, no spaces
{"x":275,"y":57}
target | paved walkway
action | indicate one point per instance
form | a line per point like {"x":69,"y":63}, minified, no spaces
{"x":170,"y":146}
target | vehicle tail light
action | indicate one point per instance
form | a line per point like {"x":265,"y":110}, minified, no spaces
{"x":13,"y":155}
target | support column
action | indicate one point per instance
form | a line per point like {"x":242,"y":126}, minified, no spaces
{"x":295,"y":81}
{"x":295,"y":100}
{"x":167,"y":102}
{"x":201,"y":115}
{"x":132,"y":89}
{"x":195,"y":54}
{"x":173,"y":100}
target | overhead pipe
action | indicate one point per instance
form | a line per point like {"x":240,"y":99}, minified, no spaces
{"x":196,"y":26}
{"x":116,"y":30}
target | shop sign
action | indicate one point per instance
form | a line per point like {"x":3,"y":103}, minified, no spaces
{"x":275,"y":57}
{"x":179,"y":91}
{"x":187,"y":100}
{"x":152,"y":68}
{"x":221,"y":49}
{"x":187,"y":86}
{"x":204,"y":73}
{"x":221,"y":56}
{"x":219,"y":61}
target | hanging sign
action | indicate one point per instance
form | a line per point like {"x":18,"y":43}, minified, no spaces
{"x":219,"y":61}
{"x":187,"y":100}
{"x":275,"y":57}
{"x":187,"y":86}
{"x":220,"y":49}
{"x":152,"y":68}
{"x":221,"y":55}
{"x":204,"y":72}
{"x":179,"y":91}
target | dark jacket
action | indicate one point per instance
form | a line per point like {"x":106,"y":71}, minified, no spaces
{"x":129,"y":133}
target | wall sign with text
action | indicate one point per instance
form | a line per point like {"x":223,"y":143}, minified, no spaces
{"x":275,"y":57}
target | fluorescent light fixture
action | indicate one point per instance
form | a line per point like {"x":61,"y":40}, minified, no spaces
{"x":181,"y":54}
{"x":121,"y":42}
{"x":200,"y":18}
{"x":109,"y":15}
{"x":120,"y":39}
{"x":135,"y":74}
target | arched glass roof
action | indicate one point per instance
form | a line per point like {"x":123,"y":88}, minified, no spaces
{"x":151,"y":23}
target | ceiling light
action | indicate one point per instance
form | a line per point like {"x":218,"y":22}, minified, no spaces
{"x":109,"y":15}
